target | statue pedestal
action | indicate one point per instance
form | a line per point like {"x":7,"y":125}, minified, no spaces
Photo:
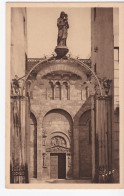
{"x":61,"y":51}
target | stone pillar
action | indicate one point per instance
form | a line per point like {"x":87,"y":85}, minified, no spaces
{"x":68,"y":165}
{"x":102,"y":55}
{"x":39,"y":149}
{"x":93,"y":137}
{"x":76,"y":151}
{"x":103,"y":138}
{"x":27,"y":136}
{"x":23,"y":131}
{"x":18,"y":142}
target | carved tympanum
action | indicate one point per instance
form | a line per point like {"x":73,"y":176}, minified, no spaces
{"x":58,"y":141}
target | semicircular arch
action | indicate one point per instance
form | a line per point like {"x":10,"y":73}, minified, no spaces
{"x":58,"y":122}
{"x":71,"y":60}
{"x":62,"y":67}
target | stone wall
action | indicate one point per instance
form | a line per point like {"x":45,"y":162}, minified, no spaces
{"x":105,"y":62}
{"x":85,"y":140}
{"x":57,"y":98}
{"x":18,"y":41}
{"x":18,"y":105}
{"x":102,"y":42}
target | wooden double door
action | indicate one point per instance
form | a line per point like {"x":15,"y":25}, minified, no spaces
{"x":58,"y":165}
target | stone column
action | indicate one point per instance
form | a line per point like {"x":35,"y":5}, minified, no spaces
{"x":93,"y":137}
{"x":76,"y":150}
{"x":39,"y":149}
{"x":23,"y":131}
{"x":68,"y":92}
{"x":104,"y":134}
{"x":61,"y":91}
{"x":27,"y":135}
{"x":68,"y":165}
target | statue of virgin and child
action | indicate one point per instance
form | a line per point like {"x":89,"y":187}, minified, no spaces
{"x":63,"y":26}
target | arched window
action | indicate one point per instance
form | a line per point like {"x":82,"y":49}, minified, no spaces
{"x":65,"y":91}
{"x":87,"y":92}
{"x":83,"y":94}
{"x":50,"y":93}
{"x":57,"y":91}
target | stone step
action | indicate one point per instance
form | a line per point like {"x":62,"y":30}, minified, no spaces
{"x":81,"y":181}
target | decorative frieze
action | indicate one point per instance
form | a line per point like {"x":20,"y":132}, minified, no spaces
{"x":57,"y":149}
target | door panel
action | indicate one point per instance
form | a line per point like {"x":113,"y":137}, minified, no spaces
{"x":54,"y":166}
{"x":61,"y":165}
{"x":58,"y":165}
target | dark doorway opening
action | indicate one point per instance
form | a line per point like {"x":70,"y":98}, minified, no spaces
{"x":58,"y":165}
{"x":61,"y":165}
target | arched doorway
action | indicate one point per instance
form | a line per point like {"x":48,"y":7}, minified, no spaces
{"x":57,"y":125}
{"x":58,"y":148}
{"x":33,"y":146}
{"x":85,"y":148}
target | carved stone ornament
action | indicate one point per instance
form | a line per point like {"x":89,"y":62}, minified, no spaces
{"x":58,"y":149}
{"x":94,"y":89}
{"x":16,"y":85}
{"x":106,"y":85}
{"x":58,"y":141}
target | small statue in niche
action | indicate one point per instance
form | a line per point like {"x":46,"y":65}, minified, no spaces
{"x":63,"y":26}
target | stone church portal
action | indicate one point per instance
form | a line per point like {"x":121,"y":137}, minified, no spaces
{"x":60,"y":121}
{"x":62,"y":112}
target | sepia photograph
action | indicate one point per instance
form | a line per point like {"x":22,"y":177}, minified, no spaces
{"x":63,"y":94}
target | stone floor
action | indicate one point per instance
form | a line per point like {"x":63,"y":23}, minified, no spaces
{"x":60,"y":181}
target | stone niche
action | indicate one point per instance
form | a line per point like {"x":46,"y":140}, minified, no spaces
{"x":57,"y":128}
